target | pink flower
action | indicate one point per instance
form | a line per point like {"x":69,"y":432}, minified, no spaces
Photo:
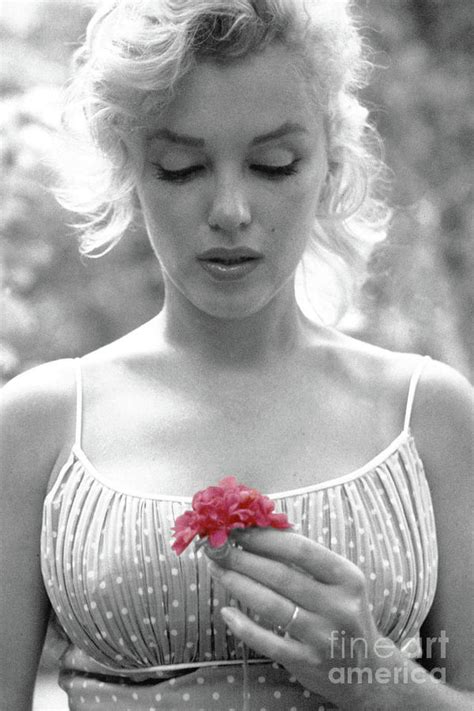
{"x":218,"y":509}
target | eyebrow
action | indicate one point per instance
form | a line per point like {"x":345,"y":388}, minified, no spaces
{"x":283,"y":130}
{"x":183,"y":139}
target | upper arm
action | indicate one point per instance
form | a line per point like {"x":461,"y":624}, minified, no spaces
{"x":443,"y":426}
{"x":35,"y":413}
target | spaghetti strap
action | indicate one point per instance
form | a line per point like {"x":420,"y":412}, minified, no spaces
{"x":78,"y":437}
{"x":412,"y":390}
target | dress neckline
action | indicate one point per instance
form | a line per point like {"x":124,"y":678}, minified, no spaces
{"x":405,"y":436}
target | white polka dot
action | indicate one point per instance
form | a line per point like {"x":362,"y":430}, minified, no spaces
{"x":186,"y":697}
{"x":102,"y":585}
{"x":175,"y":603}
{"x":93,"y":605}
{"x":140,"y":591}
{"x":150,"y":590}
{"x":277,"y":694}
{"x":124,"y":611}
{"x":200,"y":679}
{"x":174,"y":633}
{"x":192,"y":618}
{"x":135,"y":696}
{"x":372,"y":576}
{"x":133,"y":637}
{"x":158,"y":697}
{"x":193,"y":587}
{"x":164,"y":588}
{"x":119,"y":580}
{"x":174,"y":571}
{"x":261,"y":680}
{"x":189,"y":645}
{"x":215,"y":696}
{"x":109,"y":615}
{"x":306,"y":693}
{"x":386,"y":592}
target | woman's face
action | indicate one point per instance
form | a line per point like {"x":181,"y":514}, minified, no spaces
{"x":230,"y":189}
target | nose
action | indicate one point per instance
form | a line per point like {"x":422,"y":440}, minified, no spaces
{"x":229,"y":209}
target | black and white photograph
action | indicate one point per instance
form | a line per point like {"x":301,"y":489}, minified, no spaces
{"x":236,"y":355}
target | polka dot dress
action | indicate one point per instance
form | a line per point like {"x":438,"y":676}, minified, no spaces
{"x":144,"y":625}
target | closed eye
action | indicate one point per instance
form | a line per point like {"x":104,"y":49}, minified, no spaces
{"x":176,"y":176}
{"x":273,"y":172}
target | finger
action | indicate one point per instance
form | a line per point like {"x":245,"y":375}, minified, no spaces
{"x":283,"y":650}
{"x":271,"y":606}
{"x":279,"y":577}
{"x":318,"y":561}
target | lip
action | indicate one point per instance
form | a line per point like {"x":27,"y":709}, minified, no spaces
{"x":226,"y":254}
{"x":225,"y":264}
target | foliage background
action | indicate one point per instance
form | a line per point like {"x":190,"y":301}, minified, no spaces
{"x":419,"y":295}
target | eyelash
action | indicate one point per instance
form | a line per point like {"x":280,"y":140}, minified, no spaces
{"x":270,"y":172}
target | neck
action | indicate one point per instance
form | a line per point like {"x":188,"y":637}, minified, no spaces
{"x":273,"y":333}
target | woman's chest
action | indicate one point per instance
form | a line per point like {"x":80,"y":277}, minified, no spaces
{"x":275,"y":440}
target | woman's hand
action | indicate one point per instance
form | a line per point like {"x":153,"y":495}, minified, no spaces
{"x":273,"y":573}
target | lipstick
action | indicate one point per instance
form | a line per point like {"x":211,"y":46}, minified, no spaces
{"x":230,"y":264}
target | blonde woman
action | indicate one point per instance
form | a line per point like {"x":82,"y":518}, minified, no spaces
{"x":232,"y":128}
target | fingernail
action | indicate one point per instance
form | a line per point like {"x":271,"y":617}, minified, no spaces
{"x":217,"y":553}
{"x":229,"y":616}
{"x":215,"y":570}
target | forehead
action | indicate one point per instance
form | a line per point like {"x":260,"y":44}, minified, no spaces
{"x":241,"y":99}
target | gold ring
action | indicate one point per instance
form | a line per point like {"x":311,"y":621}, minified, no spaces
{"x":283,"y":629}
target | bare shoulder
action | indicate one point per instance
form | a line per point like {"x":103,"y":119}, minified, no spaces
{"x":443,"y":416}
{"x":443,"y":402}
{"x":37,"y":414}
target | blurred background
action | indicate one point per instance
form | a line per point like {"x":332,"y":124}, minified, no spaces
{"x":420,"y":292}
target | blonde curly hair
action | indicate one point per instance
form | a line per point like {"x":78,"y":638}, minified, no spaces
{"x":135,"y":53}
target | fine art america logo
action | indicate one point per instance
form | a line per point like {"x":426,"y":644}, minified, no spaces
{"x":355,"y":653}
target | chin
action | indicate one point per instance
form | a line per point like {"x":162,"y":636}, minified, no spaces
{"x":233,"y":307}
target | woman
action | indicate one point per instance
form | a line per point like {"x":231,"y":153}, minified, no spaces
{"x":232,"y":129}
